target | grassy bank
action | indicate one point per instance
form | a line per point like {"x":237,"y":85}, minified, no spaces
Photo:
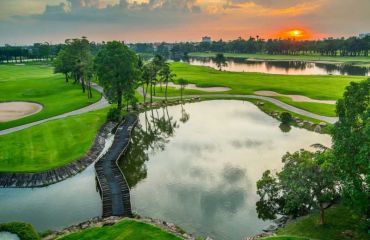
{"x":360,"y":61}
{"x":24,"y":231}
{"x":37,"y":83}
{"x":51,"y":144}
{"x":316,"y":86}
{"x":126,"y":229}
{"x":339,"y":220}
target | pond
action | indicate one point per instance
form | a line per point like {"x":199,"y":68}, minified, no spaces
{"x":197,"y":165}
{"x":284,"y":67}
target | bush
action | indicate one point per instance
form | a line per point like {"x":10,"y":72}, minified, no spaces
{"x":286,"y":117}
{"x":25,"y":231}
{"x":114,"y":115}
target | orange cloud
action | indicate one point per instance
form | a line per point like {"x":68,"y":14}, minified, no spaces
{"x":299,"y":9}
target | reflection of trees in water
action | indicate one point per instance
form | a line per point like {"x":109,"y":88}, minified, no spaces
{"x":343,"y":69}
{"x":184,"y":115}
{"x":288,"y":65}
{"x":150,"y":135}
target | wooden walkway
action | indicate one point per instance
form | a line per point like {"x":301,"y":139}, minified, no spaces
{"x":115,"y":191}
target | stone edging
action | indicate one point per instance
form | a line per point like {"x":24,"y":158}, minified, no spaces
{"x":41,"y":179}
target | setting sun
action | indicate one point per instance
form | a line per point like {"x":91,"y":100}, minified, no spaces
{"x":294,"y":33}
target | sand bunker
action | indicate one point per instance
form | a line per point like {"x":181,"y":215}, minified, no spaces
{"x":15,"y":110}
{"x":205,"y":89}
{"x":295,"y":98}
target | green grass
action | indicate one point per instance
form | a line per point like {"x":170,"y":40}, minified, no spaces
{"x":25,"y":231}
{"x":315,"y":86}
{"x":126,"y":229}
{"x":51,"y":144}
{"x":362,"y":61}
{"x":37,"y":83}
{"x":338,"y":219}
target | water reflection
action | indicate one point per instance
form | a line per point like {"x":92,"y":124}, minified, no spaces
{"x":199,"y":163}
{"x":284,"y":67}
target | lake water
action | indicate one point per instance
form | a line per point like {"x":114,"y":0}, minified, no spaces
{"x":284,"y":67}
{"x":59,"y":205}
{"x":197,"y":165}
{"x":194,"y":165}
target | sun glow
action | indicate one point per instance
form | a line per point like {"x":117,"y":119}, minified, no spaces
{"x":294,"y":33}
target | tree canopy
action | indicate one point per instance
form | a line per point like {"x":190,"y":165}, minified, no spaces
{"x":307,"y":181}
{"x":351,"y":144}
{"x":117,"y":69}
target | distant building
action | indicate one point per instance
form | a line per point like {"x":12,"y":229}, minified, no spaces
{"x":206,"y":39}
{"x":363,"y":35}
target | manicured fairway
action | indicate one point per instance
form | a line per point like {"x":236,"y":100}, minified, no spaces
{"x":37,"y":83}
{"x":316,"y":86}
{"x":126,"y":229}
{"x":51,"y":144}
{"x":361,"y":61}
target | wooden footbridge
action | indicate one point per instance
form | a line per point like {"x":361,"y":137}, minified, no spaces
{"x":114,"y":189}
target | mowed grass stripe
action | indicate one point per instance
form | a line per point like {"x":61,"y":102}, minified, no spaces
{"x":50,"y":145}
{"x":38,"y":84}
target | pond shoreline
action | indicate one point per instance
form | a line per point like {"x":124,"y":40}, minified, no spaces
{"x":45,"y":178}
{"x":109,"y":221}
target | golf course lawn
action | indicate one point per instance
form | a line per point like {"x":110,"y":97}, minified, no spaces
{"x":38,"y":83}
{"x":51,"y":144}
{"x":358,"y":61}
{"x":126,"y":229}
{"x":338,"y":219}
{"x":314,"y":86}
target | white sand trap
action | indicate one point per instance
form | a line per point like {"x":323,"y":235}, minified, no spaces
{"x":15,"y":110}
{"x":205,"y":89}
{"x":295,"y":98}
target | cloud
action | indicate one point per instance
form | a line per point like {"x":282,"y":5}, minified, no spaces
{"x":176,"y":20}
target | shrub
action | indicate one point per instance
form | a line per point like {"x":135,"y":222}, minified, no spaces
{"x":114,"y":115}
{"x":286,"y":117}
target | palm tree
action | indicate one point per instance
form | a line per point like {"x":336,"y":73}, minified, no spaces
{"x":183,"y":84}
{"x":166,"y":76}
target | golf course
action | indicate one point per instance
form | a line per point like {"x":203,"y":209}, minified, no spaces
{"x":58,"y":142}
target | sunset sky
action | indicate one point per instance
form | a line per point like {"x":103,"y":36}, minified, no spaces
{"x":28,"y":21}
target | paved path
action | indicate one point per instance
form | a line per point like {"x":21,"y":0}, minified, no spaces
{"x":269,"y":99}
{"x":102,"y":103}
{"x":113,"y":185}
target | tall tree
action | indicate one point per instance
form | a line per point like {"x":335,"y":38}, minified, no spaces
{"x":166,"y":76}
{"x":63,"y":64}
{"x":351,"y":144}
{"x":117,"y":68}
{"x":183,"y":84}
